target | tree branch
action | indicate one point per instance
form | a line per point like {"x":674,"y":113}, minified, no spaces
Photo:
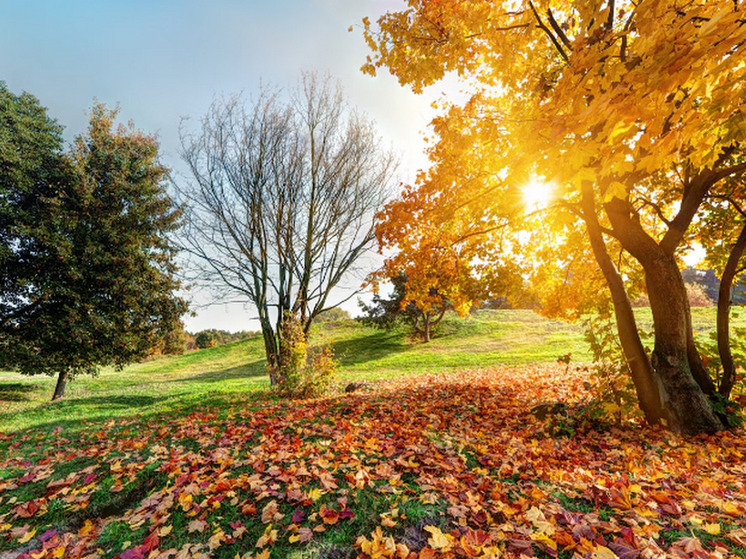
{"x":549,"y":33}
{"x":558,"y":30}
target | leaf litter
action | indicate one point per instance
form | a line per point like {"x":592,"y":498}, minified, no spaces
{"x":446,"y":465}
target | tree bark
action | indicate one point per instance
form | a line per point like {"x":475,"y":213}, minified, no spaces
{"x":272,"y":352}
{"x":723,"y":315}
{"x":685,"y":404}
{"x":59,"y":389}
{"x":677,"y":368}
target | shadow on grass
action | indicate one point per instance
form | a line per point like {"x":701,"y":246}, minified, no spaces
{"x":380,"y":344}
{"x":254,"y":369}
{"x":82,"y":411}
{"x":16,"y":391}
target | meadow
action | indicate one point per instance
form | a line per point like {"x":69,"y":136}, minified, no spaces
{"x":441,"y":454}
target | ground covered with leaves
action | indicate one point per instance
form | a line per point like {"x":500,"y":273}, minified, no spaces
{"x":448,"y":465}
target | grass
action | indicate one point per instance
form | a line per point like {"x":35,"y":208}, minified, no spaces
{"x":237,"y":370}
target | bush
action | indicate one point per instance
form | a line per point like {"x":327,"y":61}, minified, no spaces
{"x":304,"y":372}
{"x":205,"y":339}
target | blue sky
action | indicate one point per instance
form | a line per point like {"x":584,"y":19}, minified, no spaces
{"x":162,"y":60}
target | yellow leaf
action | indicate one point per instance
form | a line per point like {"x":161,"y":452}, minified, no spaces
{"x":59,"y":551}
{"x":315,"y":494}
{"x":713,"y":528}
{"x":165,"y":531}
{"x":731,"y":509}
{"x":615,"y":190}
{"x":602,"y":552}
{"x":86,"y":528}
{"x":541,"y":537}
{"x":620,"y":128}
{"x":586,"y":174}
{"x":27,"y":536}
{"x":438,"y":540}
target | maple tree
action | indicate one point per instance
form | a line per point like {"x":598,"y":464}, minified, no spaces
{"x":422,"y":315}
{"x":632,"y":110}
{"x":88,"y":271}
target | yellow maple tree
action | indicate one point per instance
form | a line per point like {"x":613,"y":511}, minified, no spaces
{"x":633,"y":110}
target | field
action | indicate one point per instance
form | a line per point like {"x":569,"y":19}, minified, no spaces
{"x":439,"y":456}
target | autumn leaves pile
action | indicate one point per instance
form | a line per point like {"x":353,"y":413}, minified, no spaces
{"x":435,"y":466}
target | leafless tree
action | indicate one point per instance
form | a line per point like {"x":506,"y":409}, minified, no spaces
{"x":281,"y":200}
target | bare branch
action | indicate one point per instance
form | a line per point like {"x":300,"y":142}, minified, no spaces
{"x":282,"y":198}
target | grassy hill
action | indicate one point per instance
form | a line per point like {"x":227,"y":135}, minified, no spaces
{"x":487,"y":338}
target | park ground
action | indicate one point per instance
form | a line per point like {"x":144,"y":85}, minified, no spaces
{"x":440,"y":454}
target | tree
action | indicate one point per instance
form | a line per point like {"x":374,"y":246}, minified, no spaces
{"x":722,"y":230}
{"x":282,"y":202}
{"x":91,"y":280}
{"x":387,"y":313}
{"x":206,"y":338}
{"x":632,"y":110}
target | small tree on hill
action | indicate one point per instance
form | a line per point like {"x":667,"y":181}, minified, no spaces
{"x":387,"y":313}
{"x":88,"y":272}
{"x":206,"y":338}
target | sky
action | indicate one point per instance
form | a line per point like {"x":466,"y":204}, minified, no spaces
{"x":165,"y":60}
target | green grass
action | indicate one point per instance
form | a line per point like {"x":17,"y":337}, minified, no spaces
{"x":237,"y":370}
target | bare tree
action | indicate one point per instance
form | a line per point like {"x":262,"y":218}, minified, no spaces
{"x":282,"y":200}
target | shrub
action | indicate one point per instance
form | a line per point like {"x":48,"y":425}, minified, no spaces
{"x":304,"y":372}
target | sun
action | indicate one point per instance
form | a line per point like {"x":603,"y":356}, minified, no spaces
{"x":537,"y":194}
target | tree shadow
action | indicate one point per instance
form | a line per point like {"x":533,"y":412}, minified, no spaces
{"x":16,"y":391}
{"x":253,"y":369}
{"x":376,"y":346}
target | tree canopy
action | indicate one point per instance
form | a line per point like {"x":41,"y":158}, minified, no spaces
{"x":633,"y":112}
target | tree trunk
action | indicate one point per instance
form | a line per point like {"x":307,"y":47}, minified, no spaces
{"x":59,"y":389}
{"x":426,"y":327}
{"x":677,"y":369}
{"x":723,"y":315}
{"x":639,"y":364}
{"x":272,"y":352}
{"x":685,"y":405}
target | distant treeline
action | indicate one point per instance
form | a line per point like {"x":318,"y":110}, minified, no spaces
{"x":179,"y":341}
{"x":213,"y":337}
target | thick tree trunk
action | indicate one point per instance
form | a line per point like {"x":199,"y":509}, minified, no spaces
{"x":639,"y":364}
{"x":684,"y":403}
{"x":677,"y":369}
{"x":723,"y":315}
{"x":426,"y":327}
{"x":59,"y":389}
